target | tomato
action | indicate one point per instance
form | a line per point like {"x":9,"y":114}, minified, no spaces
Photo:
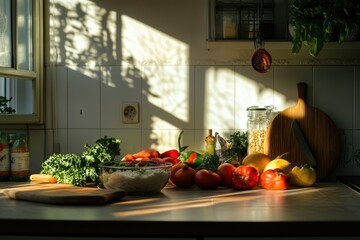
{"x":182,"y":175}
{"x":207,"y":179}
{"x":304,"y":176}
{"x":274,"y":179}
{"x":226,"y":170}
{"x":245,"y":177}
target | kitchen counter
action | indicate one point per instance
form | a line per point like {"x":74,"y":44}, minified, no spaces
{"x":327,"y":209}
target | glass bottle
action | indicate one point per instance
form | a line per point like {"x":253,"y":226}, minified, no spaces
{"x":210,"y":143}
{"x":20,"y":159}
{"x":257,"y":124}
{"x":4,"y":157}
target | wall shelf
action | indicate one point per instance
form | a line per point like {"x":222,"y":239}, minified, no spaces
{"x":283,"y":45}
{"x":347,"y":53}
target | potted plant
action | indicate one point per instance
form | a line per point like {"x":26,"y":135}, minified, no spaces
{"x":4,"y":108}
{"x":318,"y":22}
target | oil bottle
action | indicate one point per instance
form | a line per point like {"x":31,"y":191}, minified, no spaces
{"x":210,"y":143}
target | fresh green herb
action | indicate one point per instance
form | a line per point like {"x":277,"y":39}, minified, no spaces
{"x":207,"y":161}
{"x":79,"y":170}
{"x":238,"y":144}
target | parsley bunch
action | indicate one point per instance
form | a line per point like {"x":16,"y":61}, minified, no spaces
{"x":79,"y":170}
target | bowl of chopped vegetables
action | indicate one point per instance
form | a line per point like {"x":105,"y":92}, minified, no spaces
{"x":136,"y":177}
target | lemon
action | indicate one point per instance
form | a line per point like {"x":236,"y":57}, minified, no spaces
{"x":279,"y":163}
{"x":257,"y":160}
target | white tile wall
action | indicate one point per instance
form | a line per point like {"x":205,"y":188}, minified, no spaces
{"x":83,"y":97}
{"x":334,"y":93}
{"x":119,"y":84}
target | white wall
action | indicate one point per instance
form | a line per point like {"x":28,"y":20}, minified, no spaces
{"x":100,"y":54}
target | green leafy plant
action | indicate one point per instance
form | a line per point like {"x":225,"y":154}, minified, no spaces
{"x":238,"y":144}
{"x":80,"y":170}
{"x":4,"y":108}
{"x":318,"y":22}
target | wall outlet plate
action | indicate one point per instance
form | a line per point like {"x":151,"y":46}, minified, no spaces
{"x":130,"y":112}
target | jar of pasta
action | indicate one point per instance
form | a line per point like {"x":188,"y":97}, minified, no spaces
{"x":258,"y":121}
{"x":20,"y":158}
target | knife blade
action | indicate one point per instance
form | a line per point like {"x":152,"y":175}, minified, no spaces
{"x":304,"y":145}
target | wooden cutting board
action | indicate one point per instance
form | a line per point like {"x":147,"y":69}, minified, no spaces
{"x":63,"y":194}
{"x":318,"y":129}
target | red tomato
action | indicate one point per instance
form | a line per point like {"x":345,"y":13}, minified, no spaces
{"x":226,"y":170}
{"x":274,"y":179}
{"x":207,"y":179}
{"x":245,"y":177}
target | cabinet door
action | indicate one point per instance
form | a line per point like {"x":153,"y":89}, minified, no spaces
{"x":83,"y":98}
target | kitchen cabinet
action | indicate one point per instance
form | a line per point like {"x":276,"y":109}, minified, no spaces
{"x":241,"y":19}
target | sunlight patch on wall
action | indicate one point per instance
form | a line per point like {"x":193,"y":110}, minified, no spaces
{"x":165,"y":82}
{"x":219,"y":98}
{"x":81,"y":32}
{"x":249,"y":92}
{"x":149,"y":46}
{"x":167,"y":90}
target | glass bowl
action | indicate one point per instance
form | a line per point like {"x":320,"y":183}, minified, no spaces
{"x":136,"y":177}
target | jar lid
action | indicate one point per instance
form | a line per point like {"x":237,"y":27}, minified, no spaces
{"x":255,"y":108}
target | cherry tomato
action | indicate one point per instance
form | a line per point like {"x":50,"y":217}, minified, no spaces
{"x":274,"y":179}
{"x":245,"y":177}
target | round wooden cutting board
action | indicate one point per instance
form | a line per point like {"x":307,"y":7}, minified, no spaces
{"x":319,"y":130}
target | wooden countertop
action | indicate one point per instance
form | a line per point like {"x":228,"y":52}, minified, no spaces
{"x":327,"y":209}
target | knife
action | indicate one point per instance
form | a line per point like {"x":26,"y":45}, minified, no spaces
{"x":304,"y":145}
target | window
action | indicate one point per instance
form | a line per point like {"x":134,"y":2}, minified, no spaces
{"x":21,"y":63}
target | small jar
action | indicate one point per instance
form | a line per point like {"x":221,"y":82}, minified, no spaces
{"x":258,"y":121}
{"x":4,"y":157}
{"x":20,"y":159}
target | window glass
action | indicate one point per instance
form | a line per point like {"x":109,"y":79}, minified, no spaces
{"x":5,"y":34}
{"x":19,"y":94}
{"x":25,"y":35}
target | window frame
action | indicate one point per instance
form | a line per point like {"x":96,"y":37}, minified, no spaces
{"x":36,"y":75}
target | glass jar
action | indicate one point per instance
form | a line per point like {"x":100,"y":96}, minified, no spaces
{"x":258,"y":121}
{"x":4,"y":157}
{"x":20,"y":159}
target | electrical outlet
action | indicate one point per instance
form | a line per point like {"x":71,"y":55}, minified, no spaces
{"x":130,"y":113}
